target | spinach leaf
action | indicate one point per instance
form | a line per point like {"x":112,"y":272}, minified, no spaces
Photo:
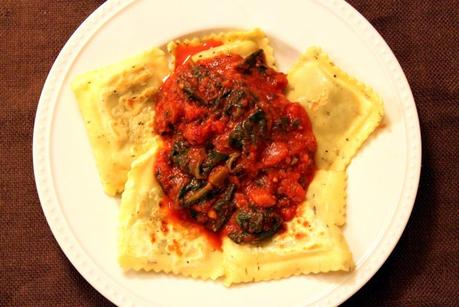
{"x":250,"y":130}
{"x":192,"y":94}
{"x":256,"y":60}
{"x":256,"y":225}
{"x":223,"y":208}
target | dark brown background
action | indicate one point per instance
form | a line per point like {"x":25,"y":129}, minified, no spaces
{"x":422,"y":270}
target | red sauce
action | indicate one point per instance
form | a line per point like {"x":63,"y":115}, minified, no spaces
{"x":180,"y":217}
{"x":183,"y":51}
{"x":238,"y":156}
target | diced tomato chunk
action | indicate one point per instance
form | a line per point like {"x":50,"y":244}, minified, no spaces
{"x":193,"y":112}
{"x":240,"y":200}
{"x":292,"y":189}
{"x":197,"y":134}
{"x":274,"y":154}
{"x":288,"y":213}
{"x":261,"y":197}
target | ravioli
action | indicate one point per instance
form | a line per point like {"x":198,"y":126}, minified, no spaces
{"x":147,"y":242}
{"x":343,"y":111}
{"x":242,"y":43}
{"x":313,"y":242}
{"x":116,"y":103}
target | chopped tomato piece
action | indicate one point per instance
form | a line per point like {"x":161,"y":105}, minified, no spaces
{"x":288,"y":213}
{"x":274,"y":154}
{"x":261,"y":197}
{"x":292,"y":189}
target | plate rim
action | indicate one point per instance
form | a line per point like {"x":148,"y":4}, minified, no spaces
{"x":109,"y":287}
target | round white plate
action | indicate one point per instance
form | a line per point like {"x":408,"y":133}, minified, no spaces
{"x":383,"y":178}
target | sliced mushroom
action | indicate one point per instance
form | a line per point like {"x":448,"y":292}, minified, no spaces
{"x":218,"y":176}
{"x":231,"y":162}
{"x":213,"y":159}
{"x":195,"y":196}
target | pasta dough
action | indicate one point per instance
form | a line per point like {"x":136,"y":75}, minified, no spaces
{"x":313,"y":242}
{"x":147,"y":242}
{"x":343,"y":111}
{"x":236,"y":42}
{"x":116,"y":103}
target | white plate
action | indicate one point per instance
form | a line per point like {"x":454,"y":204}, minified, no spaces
{"x":383,"y":178}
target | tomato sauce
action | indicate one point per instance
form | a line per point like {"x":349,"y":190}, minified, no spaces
{"x":184,"y":52}
{"x":238,"y":156}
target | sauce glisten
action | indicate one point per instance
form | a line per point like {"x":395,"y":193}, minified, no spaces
{"x":238,"y":156}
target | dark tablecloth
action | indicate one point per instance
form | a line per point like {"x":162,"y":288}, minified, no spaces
{"x":422,"y":270}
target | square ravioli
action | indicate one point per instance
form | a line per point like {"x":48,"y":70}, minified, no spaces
{"x":313,"y":242}
{"x":116,"y":103}
{"x":148,"y":242}
{"x":343,"y":110}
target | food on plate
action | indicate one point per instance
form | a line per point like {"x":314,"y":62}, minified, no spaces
{"x":148,"y":242}
{"x":116,"y":103}
{"x":242,"y":173}
{"x":242,"y":43}
{"x":343,"y":111}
